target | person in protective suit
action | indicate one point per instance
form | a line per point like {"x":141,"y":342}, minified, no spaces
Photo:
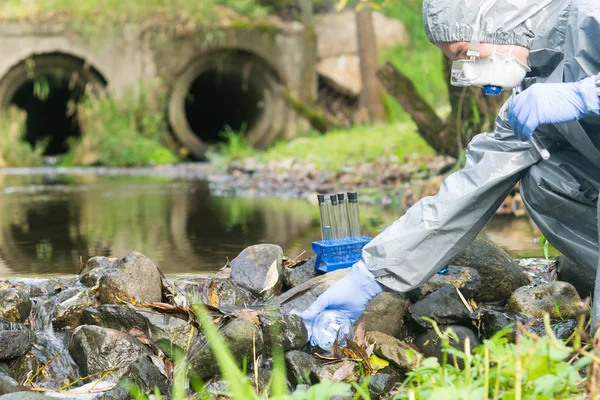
{"x":557,"y":44}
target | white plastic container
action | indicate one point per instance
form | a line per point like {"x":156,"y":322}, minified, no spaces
{"x":329,"y":326}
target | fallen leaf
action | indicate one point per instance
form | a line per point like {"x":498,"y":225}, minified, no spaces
{"x":160,"y":364}
{"x":343,"y":372}
{"x":169,"y":368}
{"x":143,"y":339}
{"x":248,"y":314}
{"x":370,"y":349}
{"x":272,"y":277}
{"x":378,"y":363}
{"x":360,"y":334}
{"x":213,"y":293}
{"x":136,"y":332}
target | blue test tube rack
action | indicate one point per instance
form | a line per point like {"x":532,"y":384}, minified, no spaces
{"x":338,"y":253}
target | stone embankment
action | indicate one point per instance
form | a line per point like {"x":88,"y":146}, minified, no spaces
{"x":121,"y":320}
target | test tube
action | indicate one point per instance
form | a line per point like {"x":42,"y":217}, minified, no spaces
{"x":535,"y":141}
{"x":325,"y":217}
{"x":335,"y":230}
{"x":353,"y":216}
{"x":343,"y":217}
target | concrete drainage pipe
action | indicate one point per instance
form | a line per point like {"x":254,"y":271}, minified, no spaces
{"x":44,"y":86}
{"x":222,"y":90}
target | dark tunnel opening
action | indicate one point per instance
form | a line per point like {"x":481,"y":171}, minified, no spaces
{"x":218,"y":100}
{"x":49,"y":102}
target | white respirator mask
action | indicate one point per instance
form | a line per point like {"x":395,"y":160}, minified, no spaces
{"x":501,"y":70}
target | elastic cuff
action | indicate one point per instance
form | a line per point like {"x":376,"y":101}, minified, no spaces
{"x":589,"y":95}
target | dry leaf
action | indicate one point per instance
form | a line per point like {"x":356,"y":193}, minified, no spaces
{"x":160,"y":364}
{"x":213,"y":293}
{"x":248,"y":314}
{"x":143,"y":339}
{"x":370,"y":349}
{"x":169,"y":368}
{"x":358,"y":351}
{"x":136,"y":332}
{"x":272,"y":277}
{"x":360,"y":334}
{"x":343,"y":372}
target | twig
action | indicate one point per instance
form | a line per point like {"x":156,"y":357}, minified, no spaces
{"x":68,"y":385}
{"x":464,"y":300}
{"x":103,"y":377}
{"x":42,"y":368}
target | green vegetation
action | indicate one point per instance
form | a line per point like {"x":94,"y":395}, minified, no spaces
{"x":130,"y":131}
{"x":420,"y":60}
{"x":531,"y":368}
{"x":14,"y":150}
{"x":334,"y":150}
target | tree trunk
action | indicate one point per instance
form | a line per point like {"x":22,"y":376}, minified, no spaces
{"x":371,"y":96}
{"x":472,"y":111}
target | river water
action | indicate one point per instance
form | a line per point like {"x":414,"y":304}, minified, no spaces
{"x":49,"y":223}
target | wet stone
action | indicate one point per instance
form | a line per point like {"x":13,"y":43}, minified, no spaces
{"x":382,"y":382}
{"x":559,"y":299}
{"x":133,"y":276}
{"x":145,"y":374}
{"x":240,"y":335}
{"x":443,"y":306}
{"x":301,"y":273}
{"x":13,"y":344}
{"x":96,"y":349}
{"x":218,"y":292}
{"x":286,"y":332}
{"x":386,"y":313}
{"x":8,"y":384}
{"x":300,"y":366}
{"x":581,"y":277}
{"x":400,"y":354}
{"x":24,"y":367}
{"x":94,"y":269}
{"x":6,"y":325}
{"x":258,"y":269}
{"x":15,"y":305}
{"x":326,"y":371}
{"x":500,"y":274}
{"x":68,"y":312}
{"x":466,"y":279}
{"x":430,"y":343}
{"x":24,"y":396}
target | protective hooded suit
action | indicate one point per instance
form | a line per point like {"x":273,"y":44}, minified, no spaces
{"x":560,"y":193}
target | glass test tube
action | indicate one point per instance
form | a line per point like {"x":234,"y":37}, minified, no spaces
{"x":324,"y":209}
{"x":343,"y":222}
{"x":353,"y":216}
{"x":335,"y":232}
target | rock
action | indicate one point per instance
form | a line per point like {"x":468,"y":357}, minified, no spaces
{"x":8,"y":384}
{"x":431,"y":345}
{"x":15,"y":305}
{"x":96,"y":349}
{"x":68,"y":312}
{"x":500,"y":274}
{"x":24,"y":367}
{"x":214,"y":389}
{"x":300,"y":366}
{"x":378,"y":315}
{"x":327,"y":371}
{"x":299,"y":303}
{"x":559,"y":299}
{"x":125,"y":317}
{"x":382,"y":383}
{"x":493,"y":321}
{"x":218,"y":293}
{"x":13,"y":344}
{"x":286,"y":332}
{"x":94,"y":269}
{"x":563,"y":329}
{"x":145,"y":374}
{"x":258,"y":269}
{"x":398,"y":353}
{"x":240,"y":334}
{"x":301,"y":273}
{"x":6,"y":325}
{"x":133,"y":276}
{"x":466,"y":279}
{"x":581,"y":277}
{"x":443,"y":306}
{"x":24,"y":396}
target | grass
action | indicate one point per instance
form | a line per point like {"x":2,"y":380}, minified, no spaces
{"x":334,"y":150}
{"x":14,"y":150}
{"x":130,"y":131}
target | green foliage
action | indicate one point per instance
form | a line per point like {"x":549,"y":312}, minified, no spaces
{"x":533,"y":368}
{"x":14,"y":151}
{"x":235,"y":146}
{"x":350,"y":147}
{"x":130,"y":131}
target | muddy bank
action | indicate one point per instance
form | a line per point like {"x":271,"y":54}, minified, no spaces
{"x":121,"y":320}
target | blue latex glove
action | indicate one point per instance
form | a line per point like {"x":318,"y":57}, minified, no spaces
{"x":552,"y":103}
{"x":349,"y":295}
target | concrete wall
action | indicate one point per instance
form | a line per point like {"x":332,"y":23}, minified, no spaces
{"x":128,"y":54}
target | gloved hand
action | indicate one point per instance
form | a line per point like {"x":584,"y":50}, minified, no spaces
{"x":349,"y":295}
{"x":552,"y":103}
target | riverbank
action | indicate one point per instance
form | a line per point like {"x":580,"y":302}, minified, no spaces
{"x":120,"y":327}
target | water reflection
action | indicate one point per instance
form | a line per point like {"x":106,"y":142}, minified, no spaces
{"x":48,"y":224}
